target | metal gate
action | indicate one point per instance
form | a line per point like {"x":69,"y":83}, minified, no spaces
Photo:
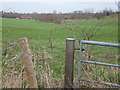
{"x":81,"y":61}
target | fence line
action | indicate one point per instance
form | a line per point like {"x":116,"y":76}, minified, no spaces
{"x":69,"y":62}
{"x":16,"y":57}
{"x":11,"y":46}
{"x":27,"y":59}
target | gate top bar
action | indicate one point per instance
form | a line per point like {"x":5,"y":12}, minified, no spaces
{"x":100,"y":43}
{"x":71,"y":39}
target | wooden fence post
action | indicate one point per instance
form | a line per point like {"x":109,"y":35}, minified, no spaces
{"x":69,"y":63}
{"x":27,"y":59}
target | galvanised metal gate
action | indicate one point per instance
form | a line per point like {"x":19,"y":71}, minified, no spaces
{"x":93,"y":62}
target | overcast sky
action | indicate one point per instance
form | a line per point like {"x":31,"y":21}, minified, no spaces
{"x":60,"y":0}
{"x":46,"y":6}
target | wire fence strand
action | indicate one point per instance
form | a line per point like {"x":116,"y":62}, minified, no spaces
{"x":16,"y":57}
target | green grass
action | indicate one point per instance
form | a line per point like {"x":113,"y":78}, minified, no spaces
{"x":36,"y":30}
{"x":38,"y":34}
{"x":32,"y":29}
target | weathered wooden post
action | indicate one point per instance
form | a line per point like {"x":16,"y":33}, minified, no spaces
{"x":27,"y":59}
{"x":69,"y":62}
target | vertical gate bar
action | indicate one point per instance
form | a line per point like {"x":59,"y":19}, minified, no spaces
{"x":119,"y":68}
{"x":69,"y":63}
{"x":79,"y":64}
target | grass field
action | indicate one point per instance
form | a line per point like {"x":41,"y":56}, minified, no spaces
{"x":39,"y":33}
{"x":36,"y":30}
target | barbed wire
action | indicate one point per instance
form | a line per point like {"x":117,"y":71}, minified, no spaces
{"x":16,"y":57}
{"x":11,"y":45}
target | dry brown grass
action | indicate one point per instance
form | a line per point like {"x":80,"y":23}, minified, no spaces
{"x":14,"y":75}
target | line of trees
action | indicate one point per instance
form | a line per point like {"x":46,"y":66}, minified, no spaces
{"x":10,"y":14}
{"x":58,"y":17}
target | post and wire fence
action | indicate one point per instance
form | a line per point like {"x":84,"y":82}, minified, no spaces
{"x":26,"y":69}
{"x":89,"y":64}
{"x":98,"y":64}
{"x":27,"y":62}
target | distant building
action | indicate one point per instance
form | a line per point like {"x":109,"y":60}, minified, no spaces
{"x":17,"y":18}
{"x":26,"y":17}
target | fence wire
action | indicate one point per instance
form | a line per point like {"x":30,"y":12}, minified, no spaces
{"x":16,"y":57}
{"x":9,"y":50}
{"x":11,"y":45}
